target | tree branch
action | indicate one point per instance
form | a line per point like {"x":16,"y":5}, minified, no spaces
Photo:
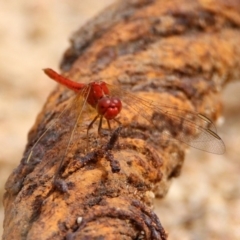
{"x":178,"y":53}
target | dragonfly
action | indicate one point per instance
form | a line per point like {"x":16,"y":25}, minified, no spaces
{"x":108,"y":101}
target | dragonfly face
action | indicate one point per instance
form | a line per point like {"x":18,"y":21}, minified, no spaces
{"x":109,"y":107}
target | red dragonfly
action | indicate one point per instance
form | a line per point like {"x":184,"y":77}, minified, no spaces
{"x":197,"y":130}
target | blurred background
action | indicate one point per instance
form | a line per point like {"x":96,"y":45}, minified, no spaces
{"x":203,"y":203}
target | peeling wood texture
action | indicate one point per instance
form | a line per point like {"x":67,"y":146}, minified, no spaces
{"x":179,"y":53}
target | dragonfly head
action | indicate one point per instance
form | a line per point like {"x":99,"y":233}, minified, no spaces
{"x":109,"y":107}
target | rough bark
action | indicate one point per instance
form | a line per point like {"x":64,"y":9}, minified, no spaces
{"x":179,"y":52}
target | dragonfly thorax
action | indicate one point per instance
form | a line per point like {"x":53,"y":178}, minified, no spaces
{"x":97,"y":91}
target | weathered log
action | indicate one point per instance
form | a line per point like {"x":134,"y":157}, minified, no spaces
{"x":179,"y":53}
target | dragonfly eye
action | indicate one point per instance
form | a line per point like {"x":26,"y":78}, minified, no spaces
{"x":109,"y":107}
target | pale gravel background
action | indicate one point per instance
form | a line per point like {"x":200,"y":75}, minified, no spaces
{"x":203,"y":203}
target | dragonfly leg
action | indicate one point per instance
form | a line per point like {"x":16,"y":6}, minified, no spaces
{"x":100,"y":126}
{"x":89,"y":127}
{"x":91,"y":123}
{"x":109,"y":125}
{"x":100,"y":129}
{"x":119,"y":123}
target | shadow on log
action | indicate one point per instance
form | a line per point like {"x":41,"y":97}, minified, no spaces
{"x":179,"y":53}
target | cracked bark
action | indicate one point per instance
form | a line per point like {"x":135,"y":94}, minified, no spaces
{"x":179,"y":52}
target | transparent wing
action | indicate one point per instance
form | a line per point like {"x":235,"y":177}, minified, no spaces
{"x":60,"y":134}
{"x":192,"y":128}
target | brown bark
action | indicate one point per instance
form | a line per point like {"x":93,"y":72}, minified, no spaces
{"x":180,"y":52}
